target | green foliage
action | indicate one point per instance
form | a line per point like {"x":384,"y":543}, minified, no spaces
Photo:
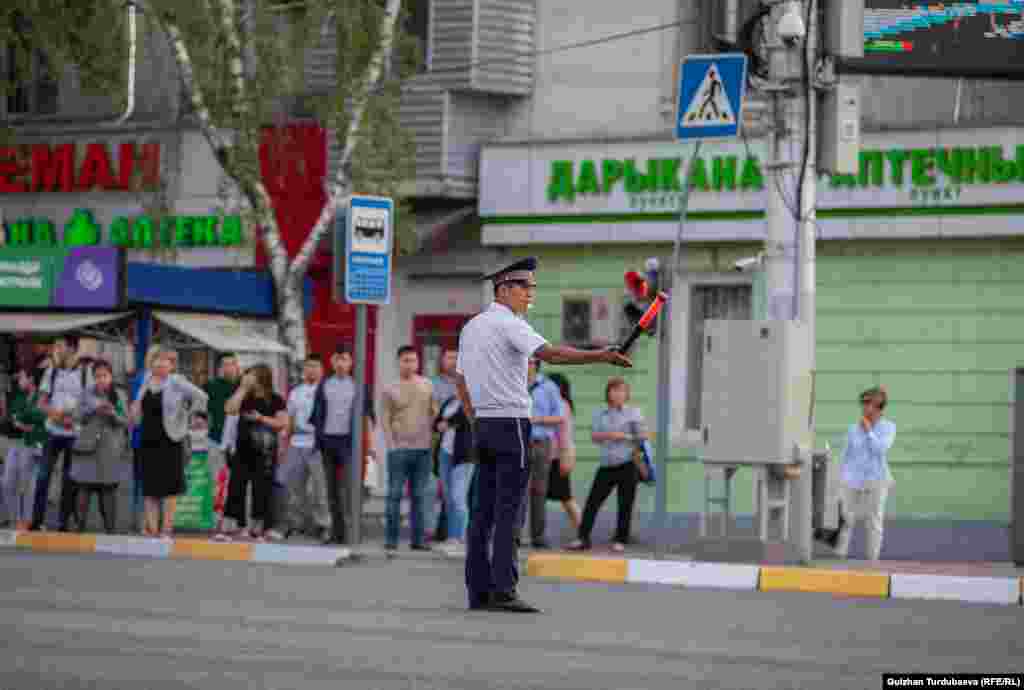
{"x":276,"y":40}
{"x":80,"y":33}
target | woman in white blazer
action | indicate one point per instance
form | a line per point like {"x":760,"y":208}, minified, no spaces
{"x":162,"y":409}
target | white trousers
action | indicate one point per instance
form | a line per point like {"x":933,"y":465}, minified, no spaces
{"x":867,"y":504}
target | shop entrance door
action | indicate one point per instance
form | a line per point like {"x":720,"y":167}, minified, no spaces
{"x":431,"y":334}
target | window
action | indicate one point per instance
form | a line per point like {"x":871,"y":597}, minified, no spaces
{"x":576,"y":321}
{"x":31,"y":85}
{"x":417,"y":25}
{"x":590,"y":320}
{"x":718,"y":302}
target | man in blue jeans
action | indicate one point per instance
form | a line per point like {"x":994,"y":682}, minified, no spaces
{"x":407,"y":415}
{"x":61,"y":393}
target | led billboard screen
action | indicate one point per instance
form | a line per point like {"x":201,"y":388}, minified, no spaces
{"x":953,"y":39}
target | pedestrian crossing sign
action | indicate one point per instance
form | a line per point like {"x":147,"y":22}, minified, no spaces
{"x":711,"y":91}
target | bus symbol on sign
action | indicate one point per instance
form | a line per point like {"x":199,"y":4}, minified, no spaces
{"x":370,"y":228}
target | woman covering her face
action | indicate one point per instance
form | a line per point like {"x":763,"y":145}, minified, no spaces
{"x":262,"y":415}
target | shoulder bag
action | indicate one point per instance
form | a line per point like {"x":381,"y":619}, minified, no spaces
{"x":89,"y":440}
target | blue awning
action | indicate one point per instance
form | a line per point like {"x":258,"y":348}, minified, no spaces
{"x":214,"y":290}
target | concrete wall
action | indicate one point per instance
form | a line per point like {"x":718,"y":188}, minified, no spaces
{"x":627,"y":87}
{"x":157,"y":94}
{"x":612,"y":89}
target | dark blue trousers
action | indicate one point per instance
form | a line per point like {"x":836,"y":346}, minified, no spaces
{"x":55,"y":446}
{"x":496,"y":499}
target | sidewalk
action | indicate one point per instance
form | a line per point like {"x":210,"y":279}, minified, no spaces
{"x":977,"y":582}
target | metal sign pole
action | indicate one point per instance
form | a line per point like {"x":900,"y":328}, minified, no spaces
{"x":354,"y":520}
{"x":670,"y":278}
{"x":366,"y":275}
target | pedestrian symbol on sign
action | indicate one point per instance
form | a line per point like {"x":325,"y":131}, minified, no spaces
{"x":710,"y":104}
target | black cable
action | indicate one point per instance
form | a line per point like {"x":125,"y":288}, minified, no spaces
{"x":558,"y":49}
{"x":808,"y":94}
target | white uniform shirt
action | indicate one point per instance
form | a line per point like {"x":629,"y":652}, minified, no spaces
{"x":300,"y":407}
{"x":494,"y":353}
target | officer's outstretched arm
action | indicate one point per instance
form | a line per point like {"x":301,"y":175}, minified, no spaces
{"x":563,"y":354}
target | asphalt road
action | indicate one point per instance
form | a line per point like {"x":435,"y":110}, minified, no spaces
{"x":110,"y":623}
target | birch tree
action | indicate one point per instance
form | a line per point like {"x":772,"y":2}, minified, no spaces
{"x":241,"y":68}
{"x":238,"y":61}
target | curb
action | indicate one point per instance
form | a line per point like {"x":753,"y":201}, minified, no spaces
{"x":177,"y":549}
{"x":1006,"y":591}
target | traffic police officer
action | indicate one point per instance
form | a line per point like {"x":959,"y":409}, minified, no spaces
{"x":494,"y":350}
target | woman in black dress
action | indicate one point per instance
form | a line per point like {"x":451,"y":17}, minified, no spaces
{"x":263,"y":415}
{"x":163,"y":408}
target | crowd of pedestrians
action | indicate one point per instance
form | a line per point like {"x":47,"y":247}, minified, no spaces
{"x":283,"y":463}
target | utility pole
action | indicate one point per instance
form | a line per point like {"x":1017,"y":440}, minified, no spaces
{"x":791,"y":180}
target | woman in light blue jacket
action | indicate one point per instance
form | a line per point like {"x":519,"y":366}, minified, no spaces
{"x":162,"y":409}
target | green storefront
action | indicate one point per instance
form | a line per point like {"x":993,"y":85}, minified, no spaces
{"x":920,"y":282}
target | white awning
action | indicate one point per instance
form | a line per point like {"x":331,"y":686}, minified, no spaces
{"x":221,"y":333}
{"x":44,"y":322}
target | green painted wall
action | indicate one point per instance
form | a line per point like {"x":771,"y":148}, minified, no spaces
{"x":939,"y":322}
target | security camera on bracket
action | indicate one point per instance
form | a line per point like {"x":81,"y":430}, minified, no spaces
{"x":749,"y":263}
{"x":791,"y":27}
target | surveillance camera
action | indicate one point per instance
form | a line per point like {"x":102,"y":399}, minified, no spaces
{"x":747,"y":263}
{"x":791,"y":25}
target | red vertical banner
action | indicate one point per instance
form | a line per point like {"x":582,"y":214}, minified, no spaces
{"x":293,"y":163}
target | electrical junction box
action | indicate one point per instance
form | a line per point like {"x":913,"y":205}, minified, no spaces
{"x":839,"y":127}
{"x":758,"y":392}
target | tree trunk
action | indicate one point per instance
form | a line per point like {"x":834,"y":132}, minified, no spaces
{"x":292,"y":323}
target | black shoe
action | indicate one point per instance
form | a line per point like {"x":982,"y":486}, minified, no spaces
{"x":482,"y":605}
{"x":421,"y":547}
{"x":511,"y":603}
{"x":827,"y":536}
{"x":541,"y":544}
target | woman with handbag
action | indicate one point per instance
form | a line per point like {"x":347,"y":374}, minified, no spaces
{"x":262,"y":416}
{"x":563,"y":455}
{"x":455,"y":467}
{"x":163,"y":407}
{"x":101,"y":448}
{"x":616,"y":429}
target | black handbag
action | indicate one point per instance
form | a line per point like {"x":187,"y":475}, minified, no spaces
{"x":8,"y":429}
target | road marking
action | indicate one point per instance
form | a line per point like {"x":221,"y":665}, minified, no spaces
{"x":133,"y":546}
{"x":58,"y":542}
{"x":297,"y":555}
{"x":583,"y":568}
{"x":846,"y":582}
{"x":981,"y":590}
{"x":694,"y":574}
{"x":202,"y":550}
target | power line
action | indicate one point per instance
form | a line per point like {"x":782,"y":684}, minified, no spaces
{"x":558,"y":49}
